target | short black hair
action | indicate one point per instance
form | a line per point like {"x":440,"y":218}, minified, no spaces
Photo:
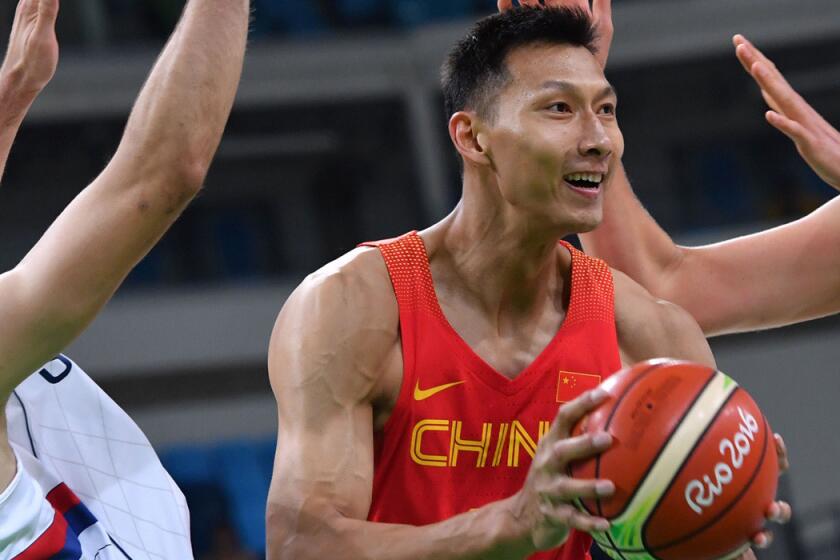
{"x":474,"y":72}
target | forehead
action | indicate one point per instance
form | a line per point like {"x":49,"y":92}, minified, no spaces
{"x":534,"y":65}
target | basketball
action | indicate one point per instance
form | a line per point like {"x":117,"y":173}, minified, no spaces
{"x":693,"y":461}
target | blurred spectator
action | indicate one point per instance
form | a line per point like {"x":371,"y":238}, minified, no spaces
{"x":226,"y":546}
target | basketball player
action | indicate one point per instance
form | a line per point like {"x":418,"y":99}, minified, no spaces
{"x":777,"y":277}
{"x":69,"y":439}
{"x":415,"y":376}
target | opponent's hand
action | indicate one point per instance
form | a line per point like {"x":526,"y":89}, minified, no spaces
{"x":817,"y":141}
{"x":545,"y":503}
{"x":32,"y":55}
{"x":779,"y":512}
{"x":600,"y":11}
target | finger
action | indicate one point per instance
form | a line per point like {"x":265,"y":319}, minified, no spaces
{"x":779,"y":512}
{"x":602,"y":10}
{"x":580,"y":4}
{"x":578,"y":448}
{"x":782,"y":453}
{"x":758,"y":53}
{"x":745,"y":56}
{"x":788,"y":127}
{"x":566,"y":515}
{"x":571,"y":412}
{"x":530,"y":3}
{"x":771,"y":102}
{"x":763,"y":539}
{"x":777,"y":87}
{"x":505,"y":5}
{"x":565,"y":489}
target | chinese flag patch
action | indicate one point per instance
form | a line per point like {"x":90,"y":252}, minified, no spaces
{"x":571,"y":385}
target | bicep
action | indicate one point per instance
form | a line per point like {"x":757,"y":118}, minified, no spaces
{"x":324,"y":442}
{"x":325,"y":363}
{"x":776,"y":277}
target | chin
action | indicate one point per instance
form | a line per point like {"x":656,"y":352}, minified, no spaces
{"x":586,"y":227}
{"x":584,"y":222}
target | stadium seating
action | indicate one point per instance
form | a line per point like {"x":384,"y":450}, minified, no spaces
{"x":418,"y":12}
{"x":224,"y":484}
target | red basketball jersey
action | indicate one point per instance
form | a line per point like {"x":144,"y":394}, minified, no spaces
{"x":462,"y":435}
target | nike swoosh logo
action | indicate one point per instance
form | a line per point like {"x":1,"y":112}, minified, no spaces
{"x":423,"y":394}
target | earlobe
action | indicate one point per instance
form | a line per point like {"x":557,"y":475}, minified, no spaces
{"x":468,"y":140}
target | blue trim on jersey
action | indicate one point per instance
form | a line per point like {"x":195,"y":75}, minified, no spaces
{"x":72,"y":548}
{"x":79,"y":518}
{"x":119,"y":547}
{"x":55,"y":380}
{"x":26,"y":423}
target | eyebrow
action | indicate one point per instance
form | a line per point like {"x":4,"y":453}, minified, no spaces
{"x":572,"y":88}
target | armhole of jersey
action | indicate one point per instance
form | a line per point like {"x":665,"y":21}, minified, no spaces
{"x":404,"y":285}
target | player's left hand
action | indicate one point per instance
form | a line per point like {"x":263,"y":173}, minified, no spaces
{"x":32,"y":54}
{"x":600,"y":11}
{"x":779,"y":512}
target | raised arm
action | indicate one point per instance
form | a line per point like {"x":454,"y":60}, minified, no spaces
{"x":169,"y":142}
{"x":335,"y":344}
{"x":31,"y":60}
{"x":777,"y":277}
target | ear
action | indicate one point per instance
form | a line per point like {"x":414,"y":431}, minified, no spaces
{"x":465,"y":130}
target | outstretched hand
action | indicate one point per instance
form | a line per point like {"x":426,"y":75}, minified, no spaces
{"x":600,"y":11}
{"x":816,"y":140}
{"x":32,"y":55}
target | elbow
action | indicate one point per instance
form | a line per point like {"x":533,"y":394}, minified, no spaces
{"x":278,"y":533}
{"x":309,"y":530}
{"x":294,"y":535}
{"x":169,"y":191}
{"x":189,"y":174}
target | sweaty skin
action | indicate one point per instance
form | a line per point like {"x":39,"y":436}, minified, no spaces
{"x":336,"y":362}
{"x":776,"y":277}
{"x":159,"y":166}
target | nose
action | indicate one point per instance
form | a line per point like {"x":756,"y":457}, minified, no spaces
{"x":595,"y":141}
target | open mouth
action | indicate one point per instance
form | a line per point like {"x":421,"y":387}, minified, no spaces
{"x":585,"y":181}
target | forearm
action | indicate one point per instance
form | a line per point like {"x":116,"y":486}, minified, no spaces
{"x":173,"y":131}
{"x":630,"y":240}
{"x":488,"y":533}
{"x":178,"y":119}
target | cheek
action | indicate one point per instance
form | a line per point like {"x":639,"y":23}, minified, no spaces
{"x":618,"y":143}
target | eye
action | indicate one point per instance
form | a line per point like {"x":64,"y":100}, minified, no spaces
{"x":560,"y":108}
{"x":607,"y":109}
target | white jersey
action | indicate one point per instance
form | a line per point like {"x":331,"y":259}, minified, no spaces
{"x":92,"y":471}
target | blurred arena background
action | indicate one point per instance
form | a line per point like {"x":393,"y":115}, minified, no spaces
{"x":338,"y":137}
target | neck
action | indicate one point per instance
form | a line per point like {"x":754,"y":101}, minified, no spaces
{"x":503,"y":258}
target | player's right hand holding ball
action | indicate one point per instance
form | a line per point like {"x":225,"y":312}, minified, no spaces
{"x":545,"y":505}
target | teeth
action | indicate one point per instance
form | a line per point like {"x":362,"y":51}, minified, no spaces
{"x":589,"y":177}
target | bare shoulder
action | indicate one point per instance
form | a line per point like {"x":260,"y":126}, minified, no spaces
{"x":649,"y":327}
{"x":343,"y":318}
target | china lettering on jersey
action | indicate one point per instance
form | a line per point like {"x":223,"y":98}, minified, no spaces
{"x":462,"y":435}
